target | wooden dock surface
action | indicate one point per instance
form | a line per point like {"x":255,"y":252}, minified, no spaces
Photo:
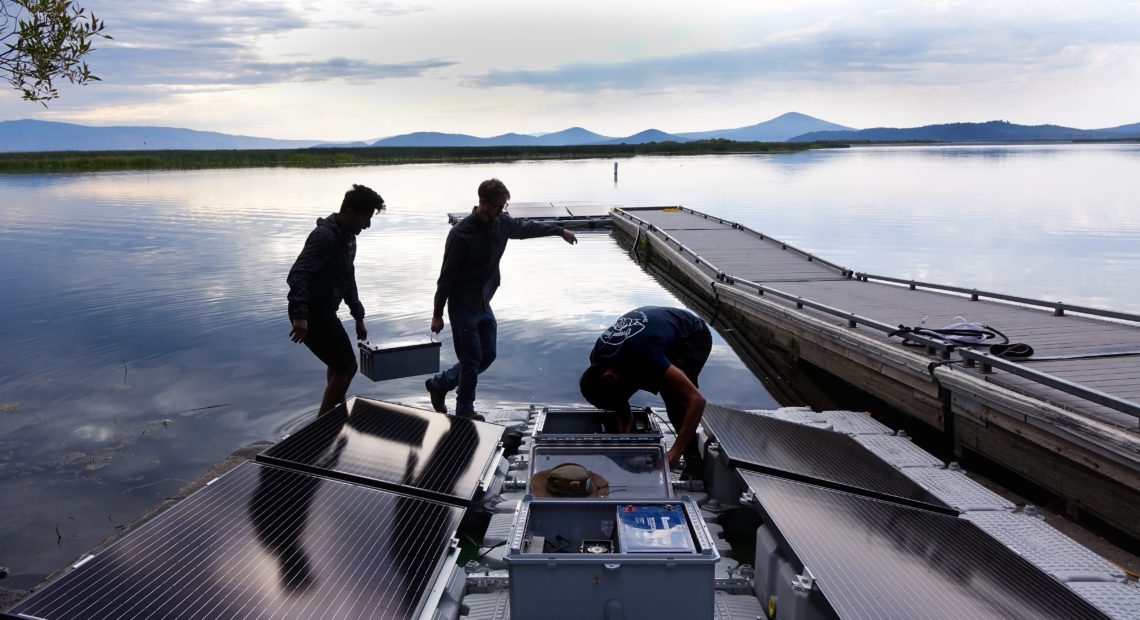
{"x":1096,"y":429}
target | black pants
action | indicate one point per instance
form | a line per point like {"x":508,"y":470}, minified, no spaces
{"x":690,"y":356}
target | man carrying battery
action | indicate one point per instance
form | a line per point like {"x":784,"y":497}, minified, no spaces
{"x":320,"y":278}
{"x":659,"y":350}
{"x":467,"y":281}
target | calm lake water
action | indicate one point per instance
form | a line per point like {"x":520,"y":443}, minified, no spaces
{"x":142,"y":315}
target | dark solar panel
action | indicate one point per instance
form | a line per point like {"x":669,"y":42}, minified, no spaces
{"x":404,"y":449}
{"x":812,"y":455}
{"x":874,"y":559}
{"x":264,"y":542}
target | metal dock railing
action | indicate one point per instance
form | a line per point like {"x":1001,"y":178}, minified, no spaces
{"x":1075,"y":400}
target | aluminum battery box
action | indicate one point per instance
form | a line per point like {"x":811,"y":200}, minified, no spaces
{"x":395,"y":359}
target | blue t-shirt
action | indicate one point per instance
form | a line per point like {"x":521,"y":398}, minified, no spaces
{"x":643,"y":342}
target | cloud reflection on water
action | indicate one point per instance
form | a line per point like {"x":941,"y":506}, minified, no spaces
{"x":147,"y":336}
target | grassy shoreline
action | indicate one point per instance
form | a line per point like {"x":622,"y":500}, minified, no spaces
{"x":99,"y":161}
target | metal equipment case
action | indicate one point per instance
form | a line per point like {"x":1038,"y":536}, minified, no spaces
{"x":575,"y":426}
{"x":396,"y":359}
{"x":632,"y":470}
{"x":610,"y":558}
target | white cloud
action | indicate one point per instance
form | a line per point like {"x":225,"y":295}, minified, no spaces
{"x":356,"y":69}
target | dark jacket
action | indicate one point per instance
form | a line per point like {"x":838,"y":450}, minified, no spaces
{"x":323,"y":273}
{"x":469,"y":276}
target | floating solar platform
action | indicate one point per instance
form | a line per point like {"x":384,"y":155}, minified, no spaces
{"x":421,"y":453}
{"x":585,"y":209}
{"x":574,"y":214}
{"x":493,"y":605}
{"x":729,"y":606}
{"x":1046,"y":547}
{"x":841,"y":421}
{"x":1119,"y":600}
{"x":535,"y":210}
{"x":799,"y":452}
{"x":799,"y":415}
{"x":899,"y":451}
{"x":855,"y":423}
{"x":874,"y":559}
{"x":266,"y":542}
{"x":957,"y":489}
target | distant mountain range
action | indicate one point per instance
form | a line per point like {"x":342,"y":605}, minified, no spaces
{"x":778,"y":129}
{"x":993,"y":131}
{"x":31,"y":136}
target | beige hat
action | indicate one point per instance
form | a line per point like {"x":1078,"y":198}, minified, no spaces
{"x":568,"y":480}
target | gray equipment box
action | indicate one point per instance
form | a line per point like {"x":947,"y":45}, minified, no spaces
{"x":630,"y":470}
{"x":608,"y":558}
{"x":593,"y":426}
{"x":395,"y":359}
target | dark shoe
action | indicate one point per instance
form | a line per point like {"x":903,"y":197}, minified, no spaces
{"x":471,"y":415}
{"x":694,"y":470}
{"x":438,"y":398}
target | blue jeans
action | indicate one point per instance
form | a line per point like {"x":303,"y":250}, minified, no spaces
{"x":474,"y":333}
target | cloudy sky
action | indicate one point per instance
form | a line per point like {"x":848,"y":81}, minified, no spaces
{"x":365,"y":69}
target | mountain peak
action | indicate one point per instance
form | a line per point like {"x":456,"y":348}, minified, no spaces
{"x":779,"y":129}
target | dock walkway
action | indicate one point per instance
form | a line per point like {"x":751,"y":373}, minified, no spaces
{"x":1075,"y":399}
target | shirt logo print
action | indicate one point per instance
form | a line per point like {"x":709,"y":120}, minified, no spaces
{"x":624,"y":329}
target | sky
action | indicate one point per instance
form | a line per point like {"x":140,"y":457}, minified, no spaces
{"x":362,"y":70}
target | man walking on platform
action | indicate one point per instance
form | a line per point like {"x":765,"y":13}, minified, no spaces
{"x":659,"y":350}
{"x":467,"y":281}
{"x":320,"y":278}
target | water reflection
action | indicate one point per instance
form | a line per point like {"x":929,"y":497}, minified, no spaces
{"x":630,"y":471}
{"x":279,"y":513}
{"x":384,"y":444}
{"x":143,"y":314}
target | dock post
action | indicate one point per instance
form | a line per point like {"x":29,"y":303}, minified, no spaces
{"x":615,"y":172}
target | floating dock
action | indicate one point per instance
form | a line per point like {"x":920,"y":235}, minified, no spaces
{"x":358,"y":515}
{"x":575,"y":215}
{"x":1065,"y":418}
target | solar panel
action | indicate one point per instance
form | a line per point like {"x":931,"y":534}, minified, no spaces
{"x":265,"y":542}
{"x":814,"y":455}
{"x":395,"y":447}
{"x":535,"y":210}
{"x":585,"y":209}
{"x":874,"y":559}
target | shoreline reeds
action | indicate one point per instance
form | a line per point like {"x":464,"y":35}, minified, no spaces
{"x":325,"y":157}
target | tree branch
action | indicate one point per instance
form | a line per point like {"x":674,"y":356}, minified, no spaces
{"x":51,"y":39}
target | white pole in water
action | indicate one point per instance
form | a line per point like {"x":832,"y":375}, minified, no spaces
{"x":615,"y":172}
